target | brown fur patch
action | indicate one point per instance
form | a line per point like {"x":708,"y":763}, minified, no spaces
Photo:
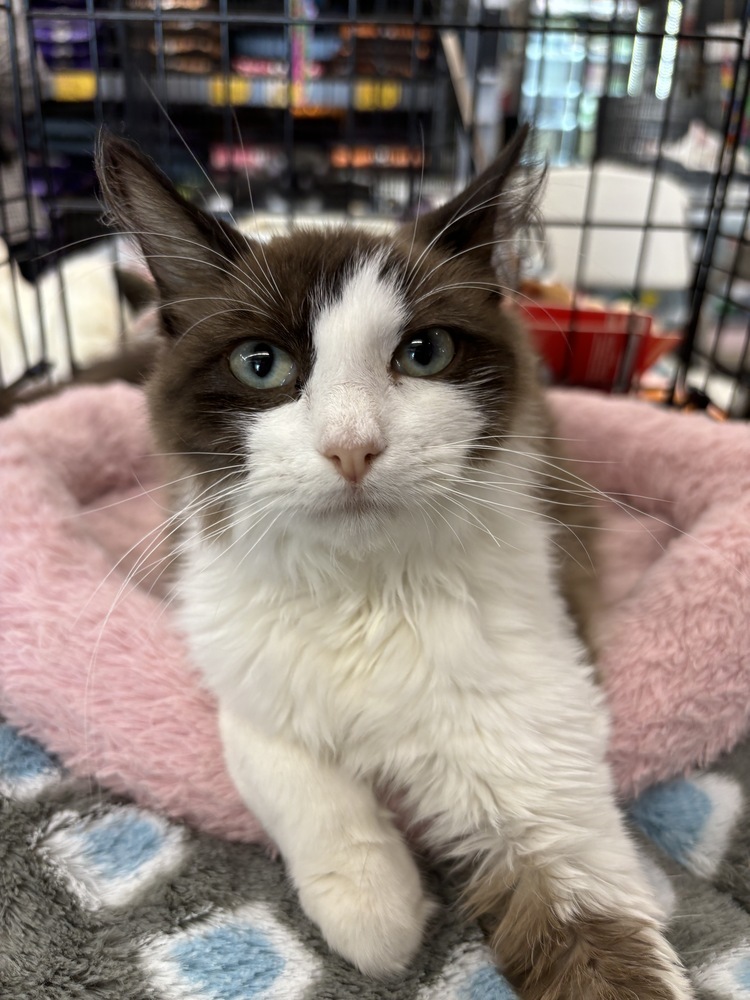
{"x":592,"y":958}
{"x":578,"y":516}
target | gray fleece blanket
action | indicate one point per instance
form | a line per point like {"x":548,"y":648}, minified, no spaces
{"x":103,"y":899}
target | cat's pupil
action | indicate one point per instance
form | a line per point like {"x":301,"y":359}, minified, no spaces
{"x":421,"y":351}
{"x":261,"y":360}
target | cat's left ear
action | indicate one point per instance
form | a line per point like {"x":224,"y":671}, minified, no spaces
{"x":181,"y":244}
{"x":491,"y":209}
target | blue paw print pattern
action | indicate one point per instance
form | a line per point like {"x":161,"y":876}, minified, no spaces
{"x":691,"y":820}
{"x":242,"y":954}
{"x":741,"y":971}
{"x":488,"y":984}
{"x":470,"y":975}
{"x":728,"y":975}
{"x":108,"y":858}
{"x":25,"y":769}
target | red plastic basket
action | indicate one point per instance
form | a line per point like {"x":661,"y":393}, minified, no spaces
{"x":599,"y":348}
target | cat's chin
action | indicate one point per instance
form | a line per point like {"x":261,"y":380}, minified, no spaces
{"x":356,"y":505}
{"x":356,"y":520}
{"x":352,"y":518}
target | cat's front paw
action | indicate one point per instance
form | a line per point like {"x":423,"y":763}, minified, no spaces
{"x":369,"y":904}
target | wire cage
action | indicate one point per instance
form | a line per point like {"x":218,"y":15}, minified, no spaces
{"x":375,"y":110}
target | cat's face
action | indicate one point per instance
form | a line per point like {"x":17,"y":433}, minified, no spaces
{"x":327,"y":381}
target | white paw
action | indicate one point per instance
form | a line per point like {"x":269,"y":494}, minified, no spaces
{"x":368,"y":902}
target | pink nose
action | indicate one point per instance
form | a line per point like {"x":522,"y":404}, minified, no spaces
{"x":353,"y":463}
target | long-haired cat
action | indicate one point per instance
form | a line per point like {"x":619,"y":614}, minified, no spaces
{"x":369,"y":581}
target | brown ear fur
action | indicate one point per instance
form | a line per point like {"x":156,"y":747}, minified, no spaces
{"x":180,"y":243}
{"x":135,"y":289}
{"x":489,"y":211}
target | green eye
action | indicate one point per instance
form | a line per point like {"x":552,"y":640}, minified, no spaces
{"x":262,"y":365}
{"x":425,"y":353}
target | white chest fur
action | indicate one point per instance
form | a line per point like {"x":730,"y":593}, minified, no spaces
{"x":379,"y":661}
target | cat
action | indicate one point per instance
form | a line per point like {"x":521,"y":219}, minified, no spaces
{"x":369,"y":581}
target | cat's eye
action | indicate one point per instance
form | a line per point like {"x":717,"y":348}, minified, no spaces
{"x":262,"y":365}
{"x":425,"y":353}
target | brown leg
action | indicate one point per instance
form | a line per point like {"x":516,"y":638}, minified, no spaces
{"x":583,"y":957}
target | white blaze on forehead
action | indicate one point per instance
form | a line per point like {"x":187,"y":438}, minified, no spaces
{"x":355,"y":335}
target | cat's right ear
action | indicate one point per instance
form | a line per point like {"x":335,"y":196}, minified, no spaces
{"x":183,"y":246}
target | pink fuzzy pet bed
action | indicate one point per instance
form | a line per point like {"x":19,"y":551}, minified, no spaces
{"x":97,"y":673}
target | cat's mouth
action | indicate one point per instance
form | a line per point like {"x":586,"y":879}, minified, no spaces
{"x":356,"y":500}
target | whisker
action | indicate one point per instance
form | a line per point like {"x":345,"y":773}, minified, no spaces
{"x":215,"y":267}
{"x":480,"y":443}
{"x":176,"y":238}
{"x":571,"y":478}
{"x":206,"y":298}
{"x":419,"y":204}
{"x":259,"y":520}
{"x":157,"y":100}
{"x":181,"y":454}
{"x":458,"y":216}
{"x":253,"y":507}
{"x":504,"y":508}
{"x":434,"y":504}
{"x":212,"y":185}
{"x":632,"y":511}
{"x":448,"y":495}
{"x":176,"y":521}
{"x":147,"y":492}
{"x":162,"y":526}
{"x":461,"y":253}
{"x":582,"y":491}
{"x":268,"y":271}
{"x":213,"y":315}
{"x":502,"y":487}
